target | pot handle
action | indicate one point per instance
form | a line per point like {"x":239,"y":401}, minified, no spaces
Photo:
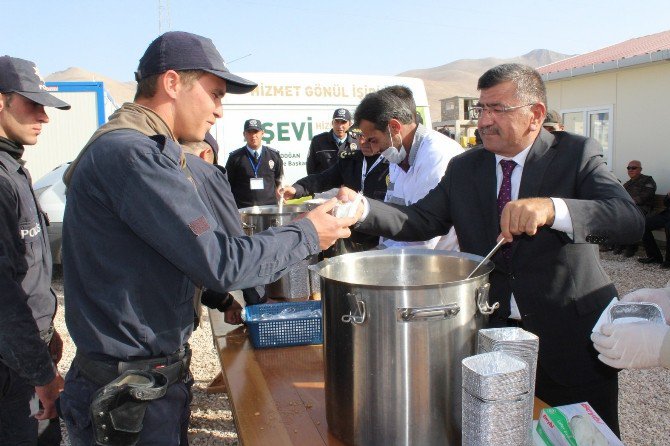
{"x":428,"y":313}
{"x":482,"y":299}
{"x":247,"y":226}
{"x":359,"y":316}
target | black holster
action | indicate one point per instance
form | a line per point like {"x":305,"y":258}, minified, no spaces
{"x":117,"y":409}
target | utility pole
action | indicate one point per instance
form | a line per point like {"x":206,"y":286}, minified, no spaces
{"x":163,"y":16}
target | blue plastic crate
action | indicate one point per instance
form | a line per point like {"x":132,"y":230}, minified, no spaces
{"x":283,"y":332}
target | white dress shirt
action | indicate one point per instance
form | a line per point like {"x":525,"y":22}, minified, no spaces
{"x":562,"y":220}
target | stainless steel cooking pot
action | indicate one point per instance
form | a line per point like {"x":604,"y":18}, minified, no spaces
{"x":296,"y":283}
{"x":397,"y":324}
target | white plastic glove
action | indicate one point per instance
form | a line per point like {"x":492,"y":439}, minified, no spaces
{"x":658,"y":296}
{"x":586,"y":433}
{"x":634,"y":345}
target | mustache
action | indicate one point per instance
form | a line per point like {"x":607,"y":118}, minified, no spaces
{"x":490,"y":130}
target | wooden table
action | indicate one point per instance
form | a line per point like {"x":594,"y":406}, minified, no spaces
{"x":277,"y":394}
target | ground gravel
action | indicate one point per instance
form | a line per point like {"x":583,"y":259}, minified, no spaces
{"x":644,"y":395}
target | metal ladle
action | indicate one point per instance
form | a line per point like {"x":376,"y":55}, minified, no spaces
{"x":280,"y":200}
{"x":501,"y":242}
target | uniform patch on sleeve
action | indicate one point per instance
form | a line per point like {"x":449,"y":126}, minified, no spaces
{"x":199,"y":226}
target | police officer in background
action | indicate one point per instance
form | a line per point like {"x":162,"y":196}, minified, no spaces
{"x":211,"y":182}
{"x":138,"y":239}
{"x":30,"y":348}
{"x":255,"y":171}
{"x":326,"y":148}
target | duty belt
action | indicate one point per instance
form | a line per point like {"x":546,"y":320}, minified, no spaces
{"x":175,"y":367}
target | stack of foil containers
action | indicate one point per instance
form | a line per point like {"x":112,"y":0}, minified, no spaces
{"x":495,"y":398}
{"x":520,"y":344}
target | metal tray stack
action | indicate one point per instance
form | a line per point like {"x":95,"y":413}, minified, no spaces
{"x":623,"y":312}
{"x":519,"y":343}
{"x":495,"y":400}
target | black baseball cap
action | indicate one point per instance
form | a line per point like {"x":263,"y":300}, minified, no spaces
{"x":179,"y":50}
{"x":21,"y":76}
{"x":552,"y":118}
{"x":252,"y":124}
{"x":342,"y":114}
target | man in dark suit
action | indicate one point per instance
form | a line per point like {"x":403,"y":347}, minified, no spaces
{"x":327,"y":147}
{"x":552,"y":197}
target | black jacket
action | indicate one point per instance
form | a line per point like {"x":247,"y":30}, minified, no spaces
{"x":347,"y":171}
{"x":324,"y":151}
{"x":240,"y":171}
{"x":26,"y":300}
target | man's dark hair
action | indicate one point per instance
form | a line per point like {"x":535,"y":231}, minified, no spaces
{"x":379,"y":107}
{"x":146,"y":88}
{"x":529,"y":85}
{"x":402,"y":92}
{"x":406,"y":95}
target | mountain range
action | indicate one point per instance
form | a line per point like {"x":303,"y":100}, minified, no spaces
{"x":458,"y":78}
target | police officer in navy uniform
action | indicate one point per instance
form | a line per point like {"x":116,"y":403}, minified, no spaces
{"x":326,"y":148}
{"x":30,"y":348}
{"x":255,"y":171}
{"x":138,"y":239}
{"x":211,"y":182}
{"x":361,"y":168}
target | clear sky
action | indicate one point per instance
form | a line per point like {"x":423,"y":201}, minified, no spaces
{"x":365,"y":36}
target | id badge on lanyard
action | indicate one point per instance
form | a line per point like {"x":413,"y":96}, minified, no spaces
{"x":365,"y":171}
{"x":255,"y":183}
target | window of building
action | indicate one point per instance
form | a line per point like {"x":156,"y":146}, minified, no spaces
{"x":594,"y":122}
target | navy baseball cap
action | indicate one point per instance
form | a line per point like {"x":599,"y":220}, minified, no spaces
{"x":21,"y":76}
{"x":252,"y":124}
{"x":342,"y":114}
{"x":179,"y":50}
{"x":209,"y":139}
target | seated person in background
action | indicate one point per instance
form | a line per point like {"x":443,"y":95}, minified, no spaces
{"x":553,"y":121}
{"x":641,"y":189}
{"x":254,"y":171}
{"x":637,"y":345}
{"x":657,"y":221}
{"x":362,"y":168}
{"x":211,"y":182}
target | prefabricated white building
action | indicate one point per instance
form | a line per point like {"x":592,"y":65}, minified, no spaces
{"x":68,"y":130}
{"x":619,"y":95}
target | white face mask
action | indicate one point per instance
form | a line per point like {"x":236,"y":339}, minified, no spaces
{"x":393,"y":155}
